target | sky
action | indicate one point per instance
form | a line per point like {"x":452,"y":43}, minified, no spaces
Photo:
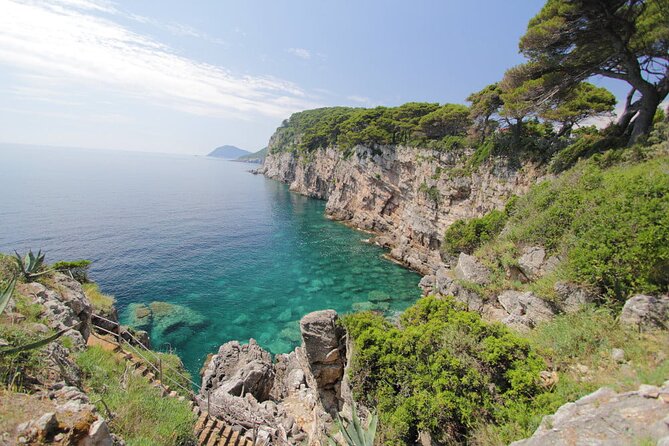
{"x":188,"y":76}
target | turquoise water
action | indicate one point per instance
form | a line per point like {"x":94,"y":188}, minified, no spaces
{"x":239,"y":255}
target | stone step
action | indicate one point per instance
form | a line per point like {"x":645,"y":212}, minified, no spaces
{"x":225,"y":436}
{"x":199,"y":425}
{"x":204,"y":435}
{"x":214,"y":436}
{"x":233,"y":438}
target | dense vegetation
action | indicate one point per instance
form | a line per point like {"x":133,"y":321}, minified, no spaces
{"x":609,"y":225}
{"x":444,"y":371}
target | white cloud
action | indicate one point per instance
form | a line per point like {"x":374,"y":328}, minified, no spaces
{"x":300,"y":52}
{"x":65,"y":42}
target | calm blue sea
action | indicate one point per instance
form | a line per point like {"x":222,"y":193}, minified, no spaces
{"x":239,"y":255}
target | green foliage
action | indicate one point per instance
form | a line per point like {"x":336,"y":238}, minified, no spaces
{"x":627,"y":40}
{"x":444,"y":371}
{"x":612,"y":225}
{"x":432,"y":192}
{"x":35,"y":344}
{"x":354,"y":434}
{"x":18,"y":369}
{"x":77,"y":268}
{"x":568,"y":343}
{"x":142,"y":416}
{"x":467,"y":235}
{"x":6,"y":294}
{"x":342,"y":127}
{"x":578,"y":103}
{"x":485,"y":104}
{"x":449,"y":120}
{"x":31,"y":265}
{"x":102,"y":303}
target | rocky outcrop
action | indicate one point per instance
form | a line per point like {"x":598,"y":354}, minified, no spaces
{"x":646,"y":312}
{"x":608,"y":418}
{"x":470,"y":270}
{"x":525,"y":310}
{"x":238,"y":370}
{"x":325,"y":353}
{"x":65,"y":305}
{"x":291,"y":400}
{"x":70,"y":418}
{"x":407,"y":196}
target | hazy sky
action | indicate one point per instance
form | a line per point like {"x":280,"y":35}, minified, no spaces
{"x":187,"y":76}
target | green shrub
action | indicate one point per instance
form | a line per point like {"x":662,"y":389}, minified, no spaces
{"x":444,"y":371}
{"x":77,"y":268}
{"x":142,"y":416}
{"x":467,"y":235}
{"x":611,"y":225}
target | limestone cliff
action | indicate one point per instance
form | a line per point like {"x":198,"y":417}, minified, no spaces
{"x":405,"y":195}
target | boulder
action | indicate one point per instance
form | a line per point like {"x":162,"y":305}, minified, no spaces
{"x":531,"y":261}
{"x":239,"y":369}
{"x":607,"y":418}
{"x":471,"y":270}
{"x":525,"y":310}
{"x":646,"y":312}
{"x":325,"y":353}
{"x":571,"y":297}
{"x":65,"y":305}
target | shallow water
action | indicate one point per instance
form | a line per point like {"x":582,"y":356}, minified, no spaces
{"x":243,"y":256}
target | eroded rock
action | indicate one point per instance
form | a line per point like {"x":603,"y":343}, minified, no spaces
{"x":646,"y":312}
{"x":525,"y":310}
{"x":239,"y":369}
{"x":606,"y":418}
{"x":471,"y":270}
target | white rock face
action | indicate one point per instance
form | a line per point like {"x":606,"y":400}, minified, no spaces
{"x":382,"y":190}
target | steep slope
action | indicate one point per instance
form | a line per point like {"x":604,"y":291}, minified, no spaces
{"x":406,"y":195}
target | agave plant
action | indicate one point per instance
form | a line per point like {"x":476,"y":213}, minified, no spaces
{"x":354,"y":434}
{"x":31,"y":265}
{"x":7,"y":294}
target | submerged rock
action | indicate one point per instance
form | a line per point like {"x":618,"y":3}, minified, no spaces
{"x":166,"y":322}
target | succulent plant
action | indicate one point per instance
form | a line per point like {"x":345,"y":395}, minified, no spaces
{"x":354,"y":433}
{"x":31,"y":264}
{"x":6,"y":294}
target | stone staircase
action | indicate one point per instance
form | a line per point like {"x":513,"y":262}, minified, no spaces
{"x":209,"y":430}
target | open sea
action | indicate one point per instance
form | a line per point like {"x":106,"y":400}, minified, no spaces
{"x":236,"y":255}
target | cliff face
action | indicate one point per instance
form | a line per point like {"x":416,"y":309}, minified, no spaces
{"x":406,"y":196}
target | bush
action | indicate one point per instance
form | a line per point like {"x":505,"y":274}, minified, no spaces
{"x":142,"y":416}
{"x":467,"y":235}
{"x":611,"y":225}
{"x":77,"y":268}
{"x":443,"y":372}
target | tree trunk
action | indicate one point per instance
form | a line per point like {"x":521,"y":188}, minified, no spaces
{"x":643,"y":122}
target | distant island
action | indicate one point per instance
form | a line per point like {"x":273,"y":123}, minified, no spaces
{"x":228,"y":152}
{"x":257,"y":157}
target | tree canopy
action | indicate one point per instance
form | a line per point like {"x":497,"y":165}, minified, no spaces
{"x":621,"y":39}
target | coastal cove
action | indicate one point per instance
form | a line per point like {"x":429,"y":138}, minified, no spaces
{"x":225,"y":254}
